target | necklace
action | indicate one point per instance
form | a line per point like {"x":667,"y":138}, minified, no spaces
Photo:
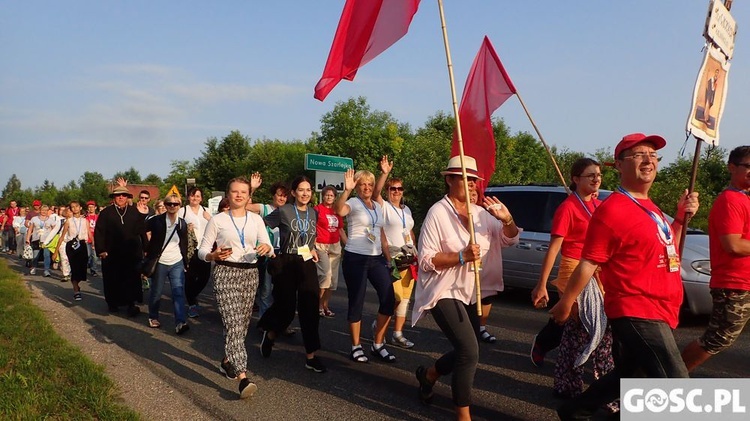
{"x":122,"y":221}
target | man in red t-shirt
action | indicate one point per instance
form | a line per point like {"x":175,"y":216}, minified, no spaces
{"x":729,"y":243}
{"x":630,"y":239}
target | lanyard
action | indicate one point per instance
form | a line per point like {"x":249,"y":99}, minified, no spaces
{"x":584,"y":204}
{"x":732,"y":188}
{"x":299,"y":223}
{"x":402,"y":216}
{"x":78,"y":226}
{"x":660,"y":221}
{"x":241,"y":234}
{"x":374,"y":210}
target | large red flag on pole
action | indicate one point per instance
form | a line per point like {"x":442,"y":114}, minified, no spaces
{"x":366,"y":29}
{"x":487,"y":87}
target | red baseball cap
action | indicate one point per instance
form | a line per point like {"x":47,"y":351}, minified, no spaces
{"x":630,"y":140}
{"x":37,"y":203}
{"x":90,"y":202}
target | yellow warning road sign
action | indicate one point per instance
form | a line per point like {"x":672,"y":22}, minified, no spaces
{"x":174,"y":190}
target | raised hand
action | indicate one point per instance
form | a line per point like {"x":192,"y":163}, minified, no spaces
{"x":349,"y":183}
{"x":255,"y":181}
{"x":496,"y":208}
{"x":385,"y":165}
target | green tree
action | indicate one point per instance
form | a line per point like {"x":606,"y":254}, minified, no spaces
{"x":93,"y":187}
{"x":152,"y":180}
{"x":351,"y":129}
{"x":276,"y":160}
{"x":420,"y":162}
{"x":68,"y":193}
{"x":673,"y":180}
{"x":47,"y":193}
{"x":131,"y":175}
{"x":222,"y":161}
{"x":11,"y":188}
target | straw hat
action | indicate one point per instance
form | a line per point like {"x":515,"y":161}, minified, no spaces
{"x":454,"y":167}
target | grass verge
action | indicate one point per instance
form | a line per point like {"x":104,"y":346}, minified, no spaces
{"x":41,"y":375}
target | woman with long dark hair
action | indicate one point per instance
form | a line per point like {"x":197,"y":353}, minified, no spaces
{"x":294,"y":275}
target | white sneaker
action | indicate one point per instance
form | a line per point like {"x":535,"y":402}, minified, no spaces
{"x":32,"y":271}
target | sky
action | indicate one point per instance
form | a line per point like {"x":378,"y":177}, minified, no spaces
{"x":108,"y":85}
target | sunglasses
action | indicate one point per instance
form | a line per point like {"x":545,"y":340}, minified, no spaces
{"x":396,"y":188}
{"x":122,"y":195}
{"x":144,"y":198}
{"x":171,"y":204}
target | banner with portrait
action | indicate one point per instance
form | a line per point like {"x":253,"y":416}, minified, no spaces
{"x":709,"y":96}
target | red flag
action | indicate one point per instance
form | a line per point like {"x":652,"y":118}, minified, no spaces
{"x":487,"y":88}
{"x":366,"y":29}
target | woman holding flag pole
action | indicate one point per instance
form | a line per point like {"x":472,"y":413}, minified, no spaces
{"x":450,"y":248}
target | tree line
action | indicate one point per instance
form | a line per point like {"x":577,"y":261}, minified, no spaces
{"x":352,"y":129}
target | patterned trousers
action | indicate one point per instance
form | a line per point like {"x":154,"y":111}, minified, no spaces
{"x":235,"y":292}
{"x":569,"y":379}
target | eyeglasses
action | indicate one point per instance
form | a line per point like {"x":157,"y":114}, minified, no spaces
{"x":592,"y":176}
{"x":643,"y":156}
{"x":144,"y":197}
{"x":399,"y":188}
{"x":122,"y":195}
{"x":171,"y":204}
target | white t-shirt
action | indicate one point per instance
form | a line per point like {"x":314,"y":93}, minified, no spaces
{"x":77,"y":227}
{"x":363,"y":222}
{"x":398,"y":224}
{"x":171,"y":254}
{"x":225,"y":232}
{"x":198,"y":221}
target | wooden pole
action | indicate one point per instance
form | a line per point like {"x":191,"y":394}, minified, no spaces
{"x":549,"y":152}
{"x":472,"y":238}
{"x":691,"y":187}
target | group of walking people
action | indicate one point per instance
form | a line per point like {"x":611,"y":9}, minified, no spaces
{"x":618,"y":277}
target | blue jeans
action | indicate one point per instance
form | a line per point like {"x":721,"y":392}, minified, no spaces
{"x":93,"y":258}
{"x":47,"y":258}
{"x":641,"y":348}
{"x":176,"y":275}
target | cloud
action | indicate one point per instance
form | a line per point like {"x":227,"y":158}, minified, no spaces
{"x":213,"y":93}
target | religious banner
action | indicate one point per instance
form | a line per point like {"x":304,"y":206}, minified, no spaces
{"x":709,"y":96}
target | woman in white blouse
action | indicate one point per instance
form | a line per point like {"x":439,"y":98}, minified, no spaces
{"x":241,"y":238}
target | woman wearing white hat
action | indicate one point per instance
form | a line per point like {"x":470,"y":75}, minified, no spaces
{"x":446,"y":284}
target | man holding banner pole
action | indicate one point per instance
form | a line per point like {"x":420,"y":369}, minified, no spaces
{"x":630,"y":239}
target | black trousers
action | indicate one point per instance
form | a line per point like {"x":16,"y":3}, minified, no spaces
{"x":196,"y":278}
{"x":295,"y":287}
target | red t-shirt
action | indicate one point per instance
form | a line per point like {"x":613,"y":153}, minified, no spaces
{"x":328,"y":225}
{"x":631,"y":250}
{"x":91,"y":219}
{"x":570,"y":222}
{"x":730,"y":214}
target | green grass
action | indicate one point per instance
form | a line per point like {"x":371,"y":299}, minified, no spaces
{"x":41,"y":375}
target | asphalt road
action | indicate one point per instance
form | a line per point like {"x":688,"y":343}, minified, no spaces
{"x":507,"y":386}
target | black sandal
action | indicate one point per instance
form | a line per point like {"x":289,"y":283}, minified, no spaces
{"x":425,"y":386}
{"x":358,"y":355}
{"x":383,"y":354}
{"x":487,"y":337}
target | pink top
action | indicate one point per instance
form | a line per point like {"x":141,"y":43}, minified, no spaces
{"x":443,"y":232}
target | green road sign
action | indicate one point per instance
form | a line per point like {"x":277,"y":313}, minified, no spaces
{"x":327,"y":163}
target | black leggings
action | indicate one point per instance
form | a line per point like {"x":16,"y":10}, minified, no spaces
{"x":460,"y":324}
